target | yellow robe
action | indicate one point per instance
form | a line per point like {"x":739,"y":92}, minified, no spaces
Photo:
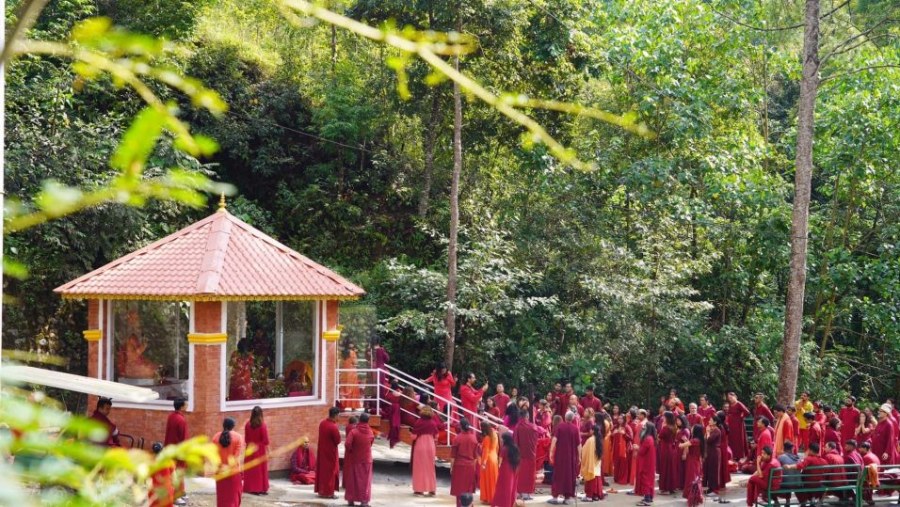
{"x":590,"y":465}
{"x":607,"y":448}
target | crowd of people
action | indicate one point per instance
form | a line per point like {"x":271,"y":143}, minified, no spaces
{"x":568,"y":440}
{"x":239,"y":471}
{"x":502,"y":444}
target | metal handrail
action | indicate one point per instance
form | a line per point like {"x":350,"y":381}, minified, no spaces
{"x":428,"y":387}
{"x":454,"y":403}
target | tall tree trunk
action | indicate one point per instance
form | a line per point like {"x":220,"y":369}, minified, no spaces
{"x":333,"y":49}
{"x":450,"y":341}
{"x":430,"y":140}
{"x":793,"y":315}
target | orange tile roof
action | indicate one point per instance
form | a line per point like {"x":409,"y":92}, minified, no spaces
{"x":218,"y":258}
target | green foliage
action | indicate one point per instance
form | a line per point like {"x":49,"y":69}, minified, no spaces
{"x":663,"y":267}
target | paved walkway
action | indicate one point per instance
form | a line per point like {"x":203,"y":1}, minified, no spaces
{"x":391,"y":488}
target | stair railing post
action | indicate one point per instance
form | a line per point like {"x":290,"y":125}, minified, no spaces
{"x":378,"y":391}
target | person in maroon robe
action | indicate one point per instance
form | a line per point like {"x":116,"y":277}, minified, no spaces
{"x":526,"y":438}
{"x":869,"y":459}
{"x":464,"y":461}
{"x":565,"y":456}
{"x":303,"y":464}
{"x":390,"y":410}
{"x":694,"y":452}
{"x":510,"y":463}
{"x":737,"y":437}
{"x":760,"y":409}
{"x":693,"y":416}
{"x":470,"y":396}
{"x":622,"y":440}
{"x":586,"y":426}
{"x":759,"y":482}
{"x":849,"y":416}
{"x":706,"y":410}
{"x":590,"y":401}
{"x":713,"y":463}
{"x":327,"y":464}
{"x":101,"y":415}
{"x":645,"y":465}
{"x":833,"y":457}
{"x":812,"y":479}
{"x":501,"y":399}
{"x":833,"y":433}
{"x":883,"y":443}
{"x":358,"y":463}
{"x":176,"y":433}
{"x":668,"y":455}
{"x":560,"y":400}
{"x":256,"y":436}
{"x":765,"y":436}
{"x":814,"y":431}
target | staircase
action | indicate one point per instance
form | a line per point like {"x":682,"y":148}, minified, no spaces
{"x":358,"y":388}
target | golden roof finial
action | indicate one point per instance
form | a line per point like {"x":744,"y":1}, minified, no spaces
{"x":222,"y":202}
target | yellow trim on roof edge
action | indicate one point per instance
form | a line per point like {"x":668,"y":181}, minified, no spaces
{"x":207,"y":338}
{"x":92,"y":335}
{"x":133,"y":297}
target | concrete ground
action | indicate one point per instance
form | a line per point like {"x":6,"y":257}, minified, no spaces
{"x":391,"y":487}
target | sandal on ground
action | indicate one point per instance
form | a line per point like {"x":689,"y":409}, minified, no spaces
{"x":644,"y":504}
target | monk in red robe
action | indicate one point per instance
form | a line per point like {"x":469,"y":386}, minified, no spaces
{"x":849,"y":416}
{"x":470,"y":396}
{"x":784,"y":429}
{"x":645,"y":465}
{"x":590,"y":401}
{"x":869,"y":459}
{"x":811,"y":478}
{"x":737,"y":437}
{"x":176,"y":433}
{"x":759,"y":482}
{"x":303,"y":464}
{"x":327,"y":464}
{"x":565,"y":458}
{"x":501,"y":399}
{"x":760,"y":409}
{"x":358,"y":463}
{"x":622,"y":438}
{"x":883,"y":444}
{"x":706,"y":410}
{"x":101,"y":415}
{"x":464,"y":456}
{"x":526,"y":438}
{"x":693,"y":416}
{"x":833,"y":433}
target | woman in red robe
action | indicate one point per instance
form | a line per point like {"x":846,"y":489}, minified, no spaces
{"x":358,"y":463}
{"x":693,"y":467}
{"x":668,"y":455}
{"x":303,"y":464}
{"x":443,"y":382}
{"x":622,"y":439}
{"x":464,"y":457}
{"x":392,"y":412}
{"x":737,"y":437}
{"x":256,"y":434}
{"x":505,"y":492}
{"x":327,"y":462}
{"x":864,"y":427}
{"x":228,"y":477}
{"x":683,"y":435}
{"x":712,"y":474}
{"x":424,"y":477}
{"x":645,"y":465}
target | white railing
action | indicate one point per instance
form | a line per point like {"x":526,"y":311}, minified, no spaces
{"x":402,"y":377}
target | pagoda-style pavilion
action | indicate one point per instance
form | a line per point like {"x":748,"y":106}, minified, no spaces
{"x":171,"y":315}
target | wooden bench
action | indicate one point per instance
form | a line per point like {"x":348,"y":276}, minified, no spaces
{"x":833,"y":479}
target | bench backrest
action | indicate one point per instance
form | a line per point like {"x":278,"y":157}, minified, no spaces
{"x":821,"y":478}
